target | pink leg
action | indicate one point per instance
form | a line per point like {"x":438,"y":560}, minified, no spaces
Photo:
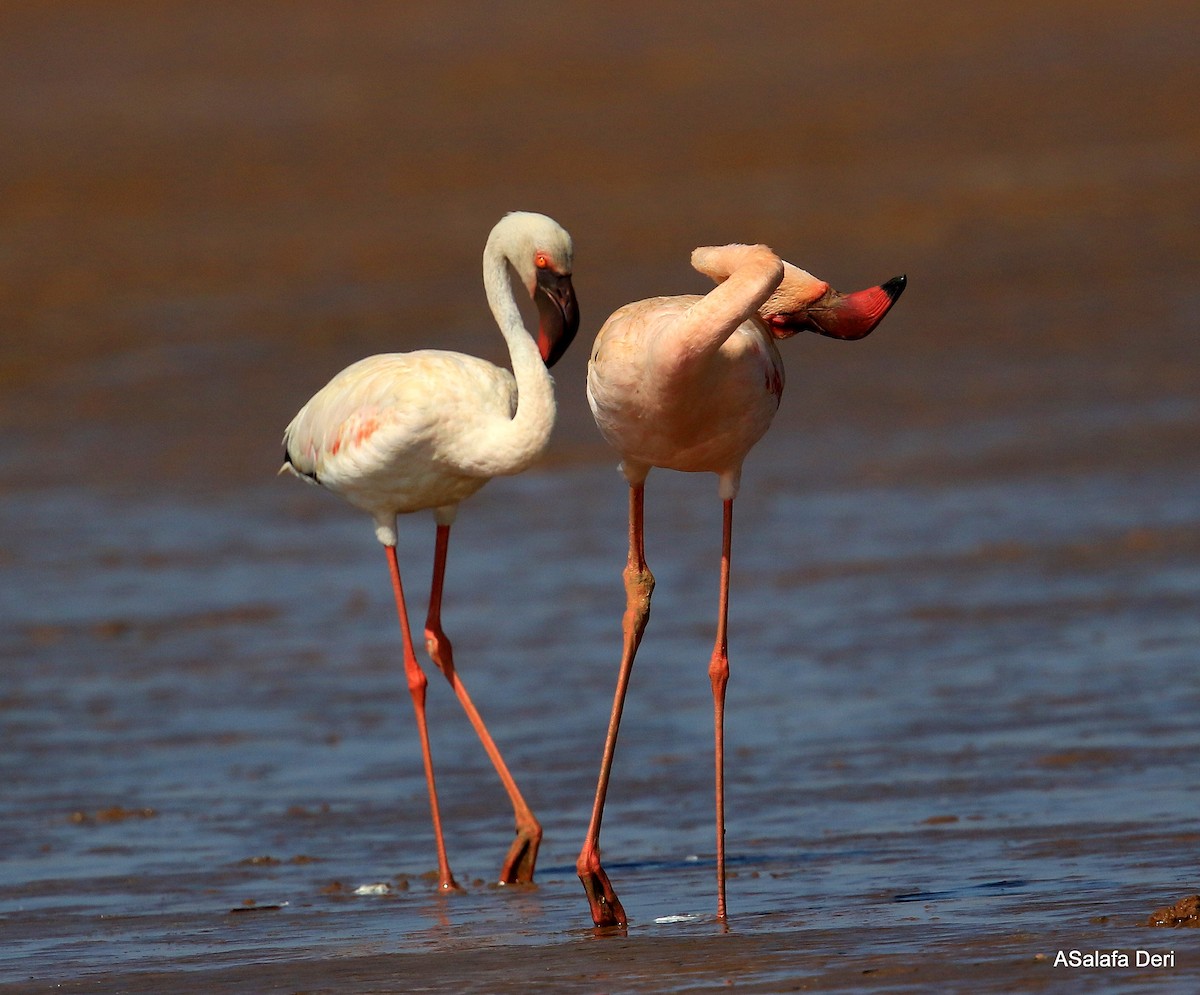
{"x":417,"y":683}
{"x":639,"y":585}
{"x":718,"y":674}
{"x":522,"y":855}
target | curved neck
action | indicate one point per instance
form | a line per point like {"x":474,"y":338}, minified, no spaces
{"x":512,"y":444}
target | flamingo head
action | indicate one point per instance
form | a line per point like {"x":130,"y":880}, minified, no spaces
{"x":804,"y":303}
{"x":541,"y":253}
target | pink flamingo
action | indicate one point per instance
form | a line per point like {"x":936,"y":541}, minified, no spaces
{"x":403,"y":432}
{"x":692,"y":383}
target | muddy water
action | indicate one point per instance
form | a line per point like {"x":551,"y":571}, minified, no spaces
{"x":964,"y":621}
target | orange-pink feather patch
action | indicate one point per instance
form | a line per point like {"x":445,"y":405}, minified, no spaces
{"x":353,"y":431}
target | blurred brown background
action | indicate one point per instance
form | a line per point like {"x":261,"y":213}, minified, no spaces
{"x":208,"y":209}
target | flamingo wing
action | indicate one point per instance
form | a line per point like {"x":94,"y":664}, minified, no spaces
{"x":391,"y":410}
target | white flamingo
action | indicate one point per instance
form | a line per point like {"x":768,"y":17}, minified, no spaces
{"x":403,"y":432}
{"x":692,"y":383}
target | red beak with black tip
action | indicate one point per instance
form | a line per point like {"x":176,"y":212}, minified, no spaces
{"x":842,"y":316}
{"x":558,"y":314}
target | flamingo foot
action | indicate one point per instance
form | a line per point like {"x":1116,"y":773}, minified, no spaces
{"x":522,"y":855}
{"x":602,"y":899}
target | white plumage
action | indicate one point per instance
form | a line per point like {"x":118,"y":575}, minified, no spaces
{"x":404,"y":432}
{"x":387,"y":433}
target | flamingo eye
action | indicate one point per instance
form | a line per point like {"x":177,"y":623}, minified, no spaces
{"x":541,"y":260}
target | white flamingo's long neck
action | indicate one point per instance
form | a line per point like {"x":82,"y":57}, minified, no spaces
{"x":511,"y":445}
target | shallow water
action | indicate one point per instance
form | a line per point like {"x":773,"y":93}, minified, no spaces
{"x":977,"y":710}
{"x":966,"y":558}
